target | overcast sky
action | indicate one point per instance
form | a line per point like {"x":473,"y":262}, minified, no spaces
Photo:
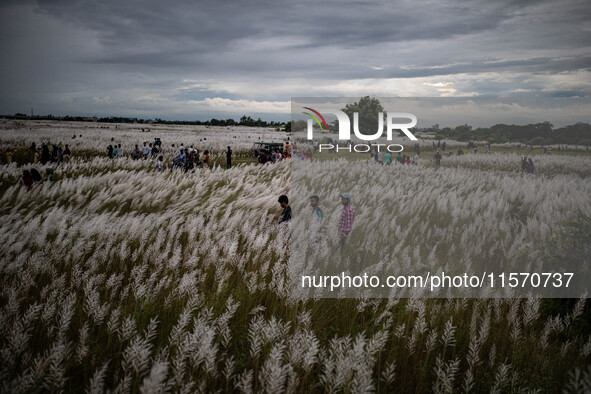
{"x":199,"y":59}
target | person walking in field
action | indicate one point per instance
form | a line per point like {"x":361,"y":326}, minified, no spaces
{"x":207,"y":159}
{"x":36,"y":176}
{"x":346,"y":221}
{"x":524,"y":164}
{"x":316,"y":215}
{"x":388,"y":158}
{"x":136,"y":153}
{"x":54,"y":154}
{"x":229,"y":158}
{"x":161,"y":163}
{"x":286,"y":213}
{"x":180,"y":159}
{"x":437,"y":159}
{"x":26,"y":180}
{"x":66,"y":154}
{"x":45,"y":155}
{"x":146,"y":150}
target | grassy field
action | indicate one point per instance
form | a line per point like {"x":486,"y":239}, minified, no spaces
{"x":117,"y":277}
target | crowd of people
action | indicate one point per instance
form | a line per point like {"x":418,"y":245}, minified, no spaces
{"x":190,"y":158}
{"x":186,"y":158}
{"x":40,"y":154}
{"x":273,"y":155}
{"x":387,"y":159}
{"x":270,"y":157}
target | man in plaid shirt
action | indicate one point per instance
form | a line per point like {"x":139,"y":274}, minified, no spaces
{"x":346,"y":222}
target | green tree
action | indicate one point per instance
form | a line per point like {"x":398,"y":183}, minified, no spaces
{"x":368,"y":109}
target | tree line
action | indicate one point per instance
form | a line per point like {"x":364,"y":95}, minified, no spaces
{"x":542,"y":133}
{"x":243,"y":121}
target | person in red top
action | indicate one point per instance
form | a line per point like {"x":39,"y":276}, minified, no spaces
{"x":347,"y":217}
{"x":26,"y":180}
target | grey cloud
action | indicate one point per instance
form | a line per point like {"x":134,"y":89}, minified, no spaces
{"x":71,"y":51}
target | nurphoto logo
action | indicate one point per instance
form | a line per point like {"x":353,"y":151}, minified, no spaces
{"x":345,"y":124}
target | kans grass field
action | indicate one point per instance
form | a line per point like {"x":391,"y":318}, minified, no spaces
{"x":116,"y":277}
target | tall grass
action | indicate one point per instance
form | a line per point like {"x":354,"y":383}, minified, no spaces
{"x":121,"y":278}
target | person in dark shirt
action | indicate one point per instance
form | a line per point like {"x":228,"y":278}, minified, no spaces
{"x":286,"y":214}
{"x":229,"y":158}
{"x":437,"y":159}
{"x":66,"y":154}
{"x":45,"y":155}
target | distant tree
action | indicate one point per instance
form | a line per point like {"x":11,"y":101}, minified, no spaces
{"x":368,"y":109}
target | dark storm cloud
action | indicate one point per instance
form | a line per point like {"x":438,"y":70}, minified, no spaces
{"x":149,"y":56}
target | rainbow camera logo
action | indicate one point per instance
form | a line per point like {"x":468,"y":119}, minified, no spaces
{"x":315,"y":118}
